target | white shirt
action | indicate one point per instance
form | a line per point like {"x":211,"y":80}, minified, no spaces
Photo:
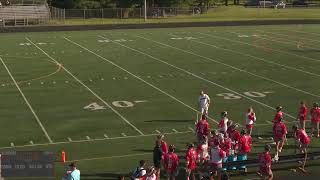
{"x":204,"y":100}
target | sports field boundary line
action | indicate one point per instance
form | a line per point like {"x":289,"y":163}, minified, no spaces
{"x":97,"y":139}
{"x":135,"y":76}
{"x":27,"y":102}
{"x":109,"y":157}
{"x":256,"y":57}
{"x":90,"y":90}
{"x":201,"y":78}
{"x":231,"y":66}
{"x":279,"y":51}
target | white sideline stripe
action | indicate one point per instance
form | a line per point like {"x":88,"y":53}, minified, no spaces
{"x":174,"y":130}
{"x":158,"y":131}
{"x":123,"y":134}
{"x":191,"y":129}
{"x":27,"y":102}
{"x":80,"y":82}
{"x":88,"y":138}
{"x":235,"y":68}
{"x":258,"y":58}
{"x":137,"y":77}
{"x":109,"y":157}
{"x":69,"y":139}
{"x":199,"y":77}
{"x":93,"y":140}
{"x":280,"y":51}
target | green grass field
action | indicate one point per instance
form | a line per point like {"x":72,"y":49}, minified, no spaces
{"x":220,"y":13}
{"x":103,"y":96}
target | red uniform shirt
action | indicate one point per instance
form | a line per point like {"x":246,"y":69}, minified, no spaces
{"x":265,"y":162}
{"x":203,"y":152}
{"x":171,"y":162}
{"x":164,"y":147}
{"x":245,"y":144}
{"x":303,"y":113}
{"x":279,"y":130}
{"x":278,"y":116}
{"x":227,"y":145}
{"x":235,"y":135}
{"x":315,"y":114}
{"x":203,"y":128}
{"x":302,"y":136}
{"x":191,"y":159}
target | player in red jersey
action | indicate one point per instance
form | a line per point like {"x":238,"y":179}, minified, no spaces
{"x":265,"y":162}
{"x":203,"y":156}
{"x":280,"y":131}
{"x":170,"y":163}
{"x":216,"y":157}
{"x":315,"y":119}
{"x":303,"y":141}
{"x":202,"y":128}
{"x":234,"y":135}
{"x":191,"y":162}
{"x":163,"y":144}
{"x":278,"y":115}
{"x":250,"y":120}
{"x":245,"y":143}
{"x":302,"y":115}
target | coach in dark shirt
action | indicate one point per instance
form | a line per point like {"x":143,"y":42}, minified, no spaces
{"x":157,"y":157}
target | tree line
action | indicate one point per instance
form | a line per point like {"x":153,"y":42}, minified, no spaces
{"x":93,"y":4}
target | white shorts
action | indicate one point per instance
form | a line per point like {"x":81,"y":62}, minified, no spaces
{"x":204,"y":109}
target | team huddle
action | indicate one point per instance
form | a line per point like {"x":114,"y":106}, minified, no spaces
{"x":216,"y":148}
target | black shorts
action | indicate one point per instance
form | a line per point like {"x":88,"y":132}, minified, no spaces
{"x":157,"y":164}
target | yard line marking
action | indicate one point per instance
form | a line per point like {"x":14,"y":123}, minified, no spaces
{"x":191,"y":129}
{"x":174,"y":130}
{"x":106,"y":136}
{"x":27,"y":102}
{"x":31,"y":142}
{"x":280,"y":51}
{"x":88,"y":138}
{"x":98,"y":139}
{"x":269,"y":122}
{"x":80,"y":82}
{"x":137,"y":77}
{"x":69,"y":139}
{"x":158,"y":131}
{"x":257,"y":58}
{"x":12,"y":144}
{"x":233,"y":67}
{"x":123,"y":134}
{"x":199,"y":77}
{"x":109,"y":157}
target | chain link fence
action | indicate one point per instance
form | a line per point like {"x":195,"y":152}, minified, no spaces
{"x":124,"y":13}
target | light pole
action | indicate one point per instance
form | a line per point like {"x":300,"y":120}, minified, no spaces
{"x":145,"y":10}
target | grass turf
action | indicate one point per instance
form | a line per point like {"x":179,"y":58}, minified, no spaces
{"x":221,"y":13}
{"x":150,"y":79}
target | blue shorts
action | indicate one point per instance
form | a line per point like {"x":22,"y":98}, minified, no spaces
{"x":232,"y":159}
{"x":242,"y":157}
{"x":224,"y":161}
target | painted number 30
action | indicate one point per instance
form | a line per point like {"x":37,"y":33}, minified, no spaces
{"x":252,"y":94}
{"x":121,"y":104}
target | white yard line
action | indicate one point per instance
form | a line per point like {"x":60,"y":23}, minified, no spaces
{"x":257,"y":58}
{"x":257,"y":46}
{"x":94,"y":140}
{"x":28,"y":103}
{"x":135,"y":76}
{"x":313,"y":40}
{"x":199,"y":77}
{"x":310,"y":33}
{"x":233,"y":67}
{"x":90,"y":90}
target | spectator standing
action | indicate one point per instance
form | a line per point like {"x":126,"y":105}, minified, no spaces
{"x":73,"y":173}
{"x":140,"y":171}
{"x":157,"y":157}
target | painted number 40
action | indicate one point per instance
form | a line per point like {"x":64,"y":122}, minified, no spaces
{"x":121,"y":104}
